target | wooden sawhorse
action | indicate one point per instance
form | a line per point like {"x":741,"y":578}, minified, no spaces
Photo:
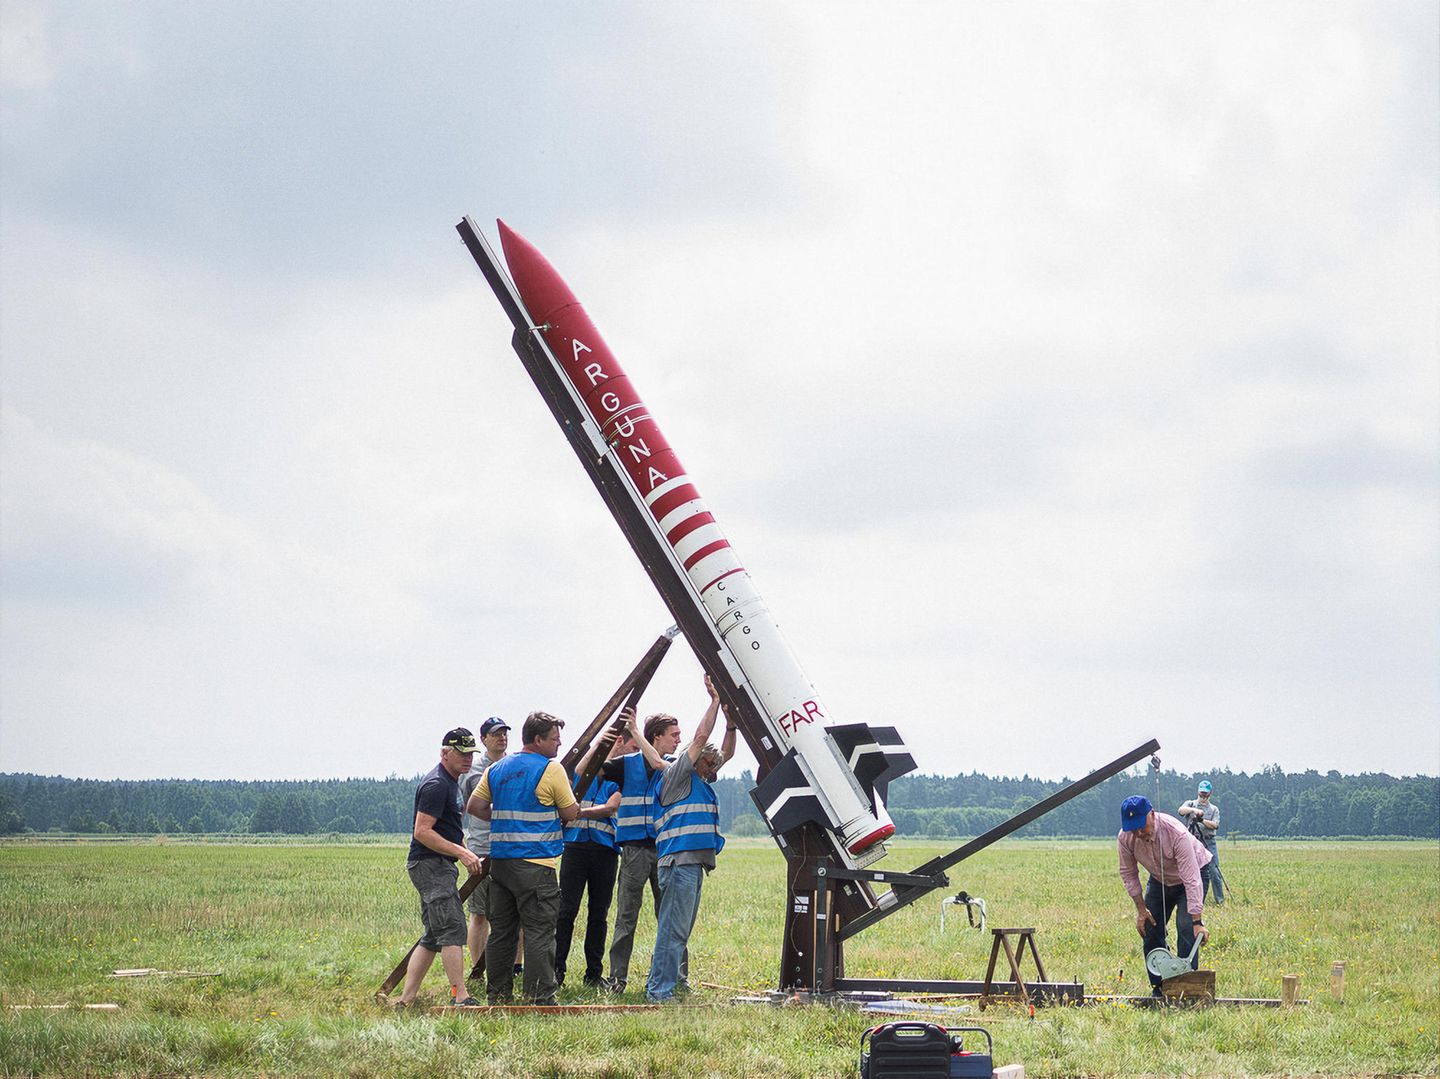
{"x":1014,"y":955}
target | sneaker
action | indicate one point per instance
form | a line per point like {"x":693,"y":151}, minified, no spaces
{"x":468,"y":1002}
{"x":519,"y":969}
{"x":615,"y":987}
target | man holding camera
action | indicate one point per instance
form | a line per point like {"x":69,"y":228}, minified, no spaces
{"x":1202,"y":817}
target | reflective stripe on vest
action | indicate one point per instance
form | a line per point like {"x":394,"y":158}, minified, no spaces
{"x":634,"y":819}
{"x":693,"y":823}
{"x":521,"y":826}
{"x":600,"y":831}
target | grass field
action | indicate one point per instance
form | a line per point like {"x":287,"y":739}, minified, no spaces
{"x":299,"y":936}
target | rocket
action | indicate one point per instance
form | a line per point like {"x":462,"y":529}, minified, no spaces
{"x":812,"y":770}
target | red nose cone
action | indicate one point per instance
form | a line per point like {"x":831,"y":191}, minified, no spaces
{"x":540,"y":287}
{"x":868,"y":841}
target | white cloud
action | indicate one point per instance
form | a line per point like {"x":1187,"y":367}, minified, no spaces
{"x":24,"y":47}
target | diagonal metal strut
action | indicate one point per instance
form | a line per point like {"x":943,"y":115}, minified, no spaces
{"x":902,"y":896}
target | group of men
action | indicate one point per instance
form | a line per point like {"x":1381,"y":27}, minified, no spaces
{"x":649,"y":818}
{"x":1183,"y":863}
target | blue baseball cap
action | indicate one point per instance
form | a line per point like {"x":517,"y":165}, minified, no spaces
{"x":1133,"y":813}
{"x":1204,"y":786}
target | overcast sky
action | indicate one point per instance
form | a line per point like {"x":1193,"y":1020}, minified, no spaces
{"x":1065,"y":375}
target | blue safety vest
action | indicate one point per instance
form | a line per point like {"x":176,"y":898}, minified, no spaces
{"x":602,"y":831}
{"x":693,"y":823}
{"x":634,"y":819}
{"x":521,"y":826}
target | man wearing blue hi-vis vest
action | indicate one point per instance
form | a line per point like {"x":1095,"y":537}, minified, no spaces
{"x":687,"y":840}
{"x":588,"y":865}
{"x":527,"y":799}
{"x":635,"y":775}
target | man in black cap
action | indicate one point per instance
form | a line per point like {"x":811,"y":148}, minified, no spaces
{"x":435,"y":846}
{"x":495,"y":738}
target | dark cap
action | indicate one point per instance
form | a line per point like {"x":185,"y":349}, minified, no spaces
{"x":1133,"y":813}
{"x":493,"y":724}
{"x":460,"y":740}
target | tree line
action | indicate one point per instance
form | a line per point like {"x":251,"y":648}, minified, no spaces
{"x":1267,"y":803}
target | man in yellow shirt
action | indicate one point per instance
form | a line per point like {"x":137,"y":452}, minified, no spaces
{"x":527,"y":799}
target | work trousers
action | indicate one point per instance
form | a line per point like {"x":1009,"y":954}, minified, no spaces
{"x":585,"y":867}
{"x":1160,"y":900}
{"x":679,"y":904}
{"x":521,"y":894}
{"x":637,"y":867}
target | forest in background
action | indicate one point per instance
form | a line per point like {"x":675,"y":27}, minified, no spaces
{"x":1269,"y":803}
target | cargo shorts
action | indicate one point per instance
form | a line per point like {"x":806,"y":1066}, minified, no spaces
{"x":440,"y":910}
{"x":479,"y":902}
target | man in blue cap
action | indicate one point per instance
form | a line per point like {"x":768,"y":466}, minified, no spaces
{"x":1202,"y":816}
{"x":1172,"y":857}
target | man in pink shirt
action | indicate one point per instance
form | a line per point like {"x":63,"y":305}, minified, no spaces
{"x":1173,"y":858}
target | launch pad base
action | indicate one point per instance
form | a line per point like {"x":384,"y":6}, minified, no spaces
{"x":892,"y":995}
{"x":1033,"y":992}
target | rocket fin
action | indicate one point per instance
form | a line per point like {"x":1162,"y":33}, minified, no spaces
{"x":875,"y":754}
{"x":785,"y":798}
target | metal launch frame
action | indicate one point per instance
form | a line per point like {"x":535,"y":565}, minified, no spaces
{"x":827,"y":901}
{"x":816,"y":928}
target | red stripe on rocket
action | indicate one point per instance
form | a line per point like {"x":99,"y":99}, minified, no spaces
{"x":797,"y":720}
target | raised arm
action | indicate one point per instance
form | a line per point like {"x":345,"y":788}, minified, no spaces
{"x":727,"y":746}
{"x":650,"y":753}
{"x":707,"y":725}
{"x":584,"y":761}
{"x":626,"y":714}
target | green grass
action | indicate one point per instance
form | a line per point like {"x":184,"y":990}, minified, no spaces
{"x":301,"y":935}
